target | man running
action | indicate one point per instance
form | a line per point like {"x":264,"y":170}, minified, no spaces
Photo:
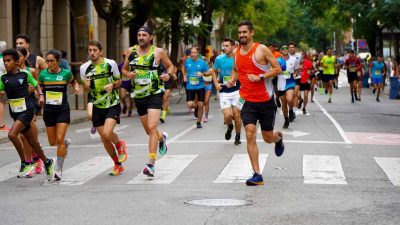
{"x":228,"y":97}
{"x":286,"y":85}
{"x":256,"y":95}
{"x":352,"y":64}
{"x":306,"y":71}
{"x":328,"y":62}
{"x":101,"y":78}
{"x":142,"y":67}
{"x":299,"y":60}
{"x":15,"y":84}
{"x":194,"y":70}
{"x":23,"y":40}
{"x":377,"y":69}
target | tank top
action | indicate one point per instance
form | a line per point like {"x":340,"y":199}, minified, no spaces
{"x":252,"y":91}
{"x":147,"y":81}
{"x":32,"y":60}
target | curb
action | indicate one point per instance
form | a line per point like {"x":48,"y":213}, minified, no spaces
{"x":42,"y":128}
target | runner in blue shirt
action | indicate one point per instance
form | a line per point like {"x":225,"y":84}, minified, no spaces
{"x":377,"y":69}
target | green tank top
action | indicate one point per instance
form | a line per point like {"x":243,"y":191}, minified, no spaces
{"x":146,"y":81}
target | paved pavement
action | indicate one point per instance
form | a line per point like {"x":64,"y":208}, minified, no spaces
{"x":341,"y":166}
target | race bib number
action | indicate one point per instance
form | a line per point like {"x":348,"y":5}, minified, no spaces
{"x":226,"y":79}
{"x":207,"y":78}
{"x":286,"y":75}
{"x":54,"y":98}
{"x":377,"y":72}
{"x":18,"y":105}
{"x":352,"y":69}
{"x":144,"y":79}
{"x":240,"y":103}
{"x":194,"y":80}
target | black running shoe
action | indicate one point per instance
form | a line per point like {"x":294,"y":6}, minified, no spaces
{"x":198,"y":125}
{"x":237,"y":140}
{"x":279,"y":146}
{"x":286,"y":124}
{"x":228,"y":133}
{"x":292,"y":116}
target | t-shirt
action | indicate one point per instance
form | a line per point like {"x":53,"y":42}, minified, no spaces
{"x":224,"y":64}
{"x":286,"y":78}
{"x":352,"y":64}
{"x":102,"y":74}
{"x":299,"y":59}
{"x":377,"y":69}
{"x":329,"y":62}
{"x":305,"y":72}
{"x":16,"y":89}
{"x":192,"y":67}
{"x":55,"y":87}
{"x":2,"y":68}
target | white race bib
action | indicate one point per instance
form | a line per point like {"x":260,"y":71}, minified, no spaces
{"x":143,"y":79}
{"x":207,"y":78}
{"x":18,"y":105}
{"x":54,"y":98}
{"x":286,"y":75}
{"x":240,"y":103}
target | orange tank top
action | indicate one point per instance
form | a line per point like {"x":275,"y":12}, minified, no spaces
{"x":252,"y":91}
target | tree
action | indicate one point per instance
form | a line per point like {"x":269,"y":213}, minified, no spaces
{"x":33,"y":19}
{"x":111,"y":12}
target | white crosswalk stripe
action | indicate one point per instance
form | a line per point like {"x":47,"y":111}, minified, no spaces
{"x":86,"y":171}
{"x":9,"y":171}
{"x":391,"y":166}
{"x":168,"y":168}
{"x":238,"y":169}
{"x":322,"y":169}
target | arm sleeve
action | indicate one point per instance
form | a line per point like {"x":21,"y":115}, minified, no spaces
{"x":216,"y":64}
{"x":31,"y":79}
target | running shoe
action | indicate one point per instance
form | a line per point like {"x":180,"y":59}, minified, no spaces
{"x":149,"y":170}
{"x":228,"y":133}
{"x":163,"y":115}
{"x":4,"y":128}
{"x":49,"y":167}
{"x":377,"y":99}
{"x":117,"y":170}
{"x":93,"y":130}
{"x":255,"y":180}
{"x":329,"y":100}
{"x":39,"y":167}
{"x":304,"y":111}
{"x":352,"y":99}
{"x":286,"y":124}
{"x":129,"y":113}
{"x":279,"y":146}
{"x":124,"y":109}
{"x":121,"y":149}
{"x":205,"y":120}
{"x":162,"y":144}
{"x":198,"y":125}
{"x":58,"y":174}
{"x":292,"y":116}
{"x":237,"y":140}
{"x":26,"y":170}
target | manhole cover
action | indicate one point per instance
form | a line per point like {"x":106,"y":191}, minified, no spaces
{"x":220,"y":202}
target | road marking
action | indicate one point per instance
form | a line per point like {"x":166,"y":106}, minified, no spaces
{"x":391,"y":166}
{"x":338,"y":127}
{"x":168,"y":168}
{"x":322,"y":169}
{"x":86,"y":171}
{"x":169,"y":141}
{"x":96,"y":135}
{"x":239,"y":169}
{"x":374,"y":138}
{"x":295,"y":133}
{"x":9,"y":171}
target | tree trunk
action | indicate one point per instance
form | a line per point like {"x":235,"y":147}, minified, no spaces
{"x":206,"y":15}
{"x":141,"y":16}
{"x":33,"y":18}
{"x":379,"y":41}
{"x":175,"y":36}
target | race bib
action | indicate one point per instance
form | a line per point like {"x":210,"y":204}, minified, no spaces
{"x":352,"y":69}
{"x":194,"y":80}
{"x":54,"y":98}
{"x":144,"y":79}
{"x":240,"y":103}
{"x":18,"y":105}
{"x":226,"y":79}
{"x":286,"y":75}
{"x":207,"y":78}
{"x":359,"y":74}
{"x":377,"y":72}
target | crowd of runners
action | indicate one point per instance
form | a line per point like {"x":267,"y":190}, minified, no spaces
{"x":252,"y":79}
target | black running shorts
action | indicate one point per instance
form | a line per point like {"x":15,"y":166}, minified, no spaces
{"x":100,"y":115}
{"x":264,"y":112}
{"x":148,"y":102}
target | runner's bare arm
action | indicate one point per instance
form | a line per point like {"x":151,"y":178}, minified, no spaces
{"x":125,"y":67}
{"x":234,"y":73}
{"x":215,"y":80}
{"x":41,"y":63}
{"x":275,"y":69}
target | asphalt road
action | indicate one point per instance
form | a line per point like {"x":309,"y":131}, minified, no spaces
{"x":341,"y":166}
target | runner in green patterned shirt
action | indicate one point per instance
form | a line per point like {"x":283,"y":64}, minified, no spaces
{"x":101,"y":78}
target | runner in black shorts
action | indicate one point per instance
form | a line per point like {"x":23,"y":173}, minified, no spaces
{"x":15,"y":84}
{"x":168,"y":88}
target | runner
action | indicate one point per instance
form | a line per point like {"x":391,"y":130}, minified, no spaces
{"x":352,"y":64}
{"x":228,"y":97}
{"x":328,"y":62}
{"x":306,"y":71}
{"x":101,"y":78}
{"x":377,"y":69}
{"x":15,"y":84}
{"x":297,"y":100}
{"x":193,"y":72}
{"x":359,"y":78}
{"x":256,"y":95}
{"x":56,"y":113}
{"x":208,"y":88}
{"x":286,"y":85}
{"x":37,"y":62}
{"x":141,"y":66}
{"x":168,"y":89}
{"x":125,"y":90}
{"x":276,"y":54}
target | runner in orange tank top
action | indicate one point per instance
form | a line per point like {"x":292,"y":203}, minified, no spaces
{"x":255,"y":66}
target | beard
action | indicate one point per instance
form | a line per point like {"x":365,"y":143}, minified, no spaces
{"x":143,"y":43}
{"x":243,"y":41}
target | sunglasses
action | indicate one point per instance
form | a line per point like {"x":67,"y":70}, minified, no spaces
{"x":284,"y":48}
{"x":50,"y":60}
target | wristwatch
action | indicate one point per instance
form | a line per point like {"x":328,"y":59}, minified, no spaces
{"x":261,"y":76}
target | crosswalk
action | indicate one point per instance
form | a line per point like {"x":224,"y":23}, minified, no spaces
{"x":317,"y":170}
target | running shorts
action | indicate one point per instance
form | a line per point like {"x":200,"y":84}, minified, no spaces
{"x":148,"y":102}
{"x":100,"y":115}
{"x":264,"y":112}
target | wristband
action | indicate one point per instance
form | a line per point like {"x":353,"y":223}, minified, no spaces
{"x":261,"y":76}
